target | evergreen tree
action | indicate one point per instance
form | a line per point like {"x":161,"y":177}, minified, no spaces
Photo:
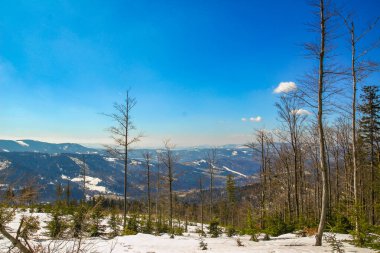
{"x":79,"y":223}
{"x":370,"y":134}
{"x":96,"y":228}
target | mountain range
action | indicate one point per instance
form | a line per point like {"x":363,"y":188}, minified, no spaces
{"x":46,"y":165}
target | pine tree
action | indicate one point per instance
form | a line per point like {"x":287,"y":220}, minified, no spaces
{"x":369,"y":133}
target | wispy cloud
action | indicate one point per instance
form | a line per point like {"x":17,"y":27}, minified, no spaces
{"x":285,"y":87}
{"x":252,"y":119}
{"x":300,"y":112}
{"x":255,"y":119}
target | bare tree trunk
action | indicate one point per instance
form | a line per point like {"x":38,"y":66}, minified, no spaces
{"x":211,"y":160}
{"x":354,"y":152}
{"x":322,"y":149}
{"x":337,"y":187}
{"x":263,"y":180}
{"x":15,"y":241}
{"x":147,"y":156}
{"x":157,"y":188}
{"x":288,"y":192}
{"x":372,"y":211}
{"x":168,"y":159}
{"x":84,"y":177}
{"x":126,"y":168}
{"x":122,"y":135}
{"x":328,"y":178}
{"x":296,"y":187}
{"x":201,"y":198}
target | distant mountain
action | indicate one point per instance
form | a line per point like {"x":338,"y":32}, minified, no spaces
{"x":43,"y":147}
{"x":46,"y":165}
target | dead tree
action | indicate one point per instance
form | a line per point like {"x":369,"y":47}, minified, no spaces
{"x":322,"y":149}
{"x":84,"y":170}
{"x":319,"y":91}
{"x":261,"y":139}
{"x":158,"y":184}
{"x":148,"y":158}
{"x":211,"y":163}
{"x":168,"y":159}
{"x":122,"y":134}
{"x":360,"y":69}
{"x":201,"y":199}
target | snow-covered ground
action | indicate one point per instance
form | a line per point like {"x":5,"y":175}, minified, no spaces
{"x":188,"y":243}
{"x":22,"y":143}
{"x":4,"y":164}
{"x":233,"y":171}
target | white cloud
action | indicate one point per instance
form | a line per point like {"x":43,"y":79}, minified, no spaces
{"x":285,"y":87}
{"x":244,"y":119}
{"x":300,"y":112}
{"x":255,"y":119}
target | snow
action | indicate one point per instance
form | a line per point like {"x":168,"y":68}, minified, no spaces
{"x":199,"y":162}
{"x":91,"y":183}
{"x":4,"y":164}
{"x":22,"y":143}
{"x":188,"y":243}
{"x":110,"y":159}
{"x":65,"y":177}
{"x":233,"y":171}
{"x":79,"y":162}
{"x":134,"y":162}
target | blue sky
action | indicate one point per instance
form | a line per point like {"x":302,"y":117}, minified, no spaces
{"x":195,"y":67}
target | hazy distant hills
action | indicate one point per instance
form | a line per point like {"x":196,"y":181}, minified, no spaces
{"x":45,"y":165}
{"x":43,"y":147}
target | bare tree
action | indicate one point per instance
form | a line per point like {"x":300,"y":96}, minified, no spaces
{"x":84,"y":172}
{"x":201,"y":199}
{"x":261,"y":139}
{"x":148,"y":158}
{"x":319,"y":90}
{"x":211,"y":163}
{"x":122,"y":134}
{"x":168,"y":159}
{"x":292,"y":118}
{"x":322,"y":150}
{"x":158,"y":184}
{"x":361,"y":67}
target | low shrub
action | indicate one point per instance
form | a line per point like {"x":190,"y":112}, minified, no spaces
{"x":214,"y":229}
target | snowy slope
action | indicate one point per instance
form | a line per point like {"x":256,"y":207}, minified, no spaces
{"x":188,"y":243}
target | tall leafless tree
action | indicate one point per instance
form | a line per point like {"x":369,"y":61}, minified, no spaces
{"x":84,"y":172}
{"x":122,"y":134}
{"x":360,"y":68}
{"x":168,"y":159}
{"x":261,"y":139}
{"x":201,"y":200}
{"x":292,"y":117}
{"x":148,"y":158}
{"x":320,"y":88}
{"x":211,"y":166}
